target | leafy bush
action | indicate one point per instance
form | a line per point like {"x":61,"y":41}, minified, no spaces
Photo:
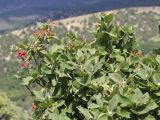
{"x":8,"y":109}
{"x":102,"y":79}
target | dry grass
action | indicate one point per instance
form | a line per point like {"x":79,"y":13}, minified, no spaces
{"x":76,"y":21}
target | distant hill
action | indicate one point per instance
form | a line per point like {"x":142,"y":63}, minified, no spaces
{"x":17,"y":13}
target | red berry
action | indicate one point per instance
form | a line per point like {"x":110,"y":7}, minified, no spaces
{"x":21,"y":54}
{"x":34,"y":106}
{"x":25,"y":64}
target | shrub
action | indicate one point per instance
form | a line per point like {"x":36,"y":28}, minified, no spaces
{"x":106,"y":78}
{"x":8,"y":109}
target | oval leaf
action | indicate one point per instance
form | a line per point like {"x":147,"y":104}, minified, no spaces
{"x":116,"y":78}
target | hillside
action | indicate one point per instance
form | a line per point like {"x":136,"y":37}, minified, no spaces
{"x":130,"y":11}
{"x":143,"y":18}
{"x":15,"y":12}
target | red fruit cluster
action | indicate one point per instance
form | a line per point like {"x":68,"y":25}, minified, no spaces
{"x":34,"y":106}
{"x":21,"y":53}
{"x":25,"y":64}
{"x":137,"y":53}
{"x":41,"y":32}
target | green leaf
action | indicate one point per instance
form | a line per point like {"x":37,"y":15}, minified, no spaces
{"x":139,"y":98}
{"x":88,"y":66}
{"x":55,"y":105}
{"x":80,"y":56}
{"x":61,"y":74}
{"x":71,"y":63}
{"x":112,"y":34}
{"x":66,"y":66}
{"x":70,"y":108}
{"x":156,"y":79}
{"x":51,"y":115}
{"x":158,"y":112}
{"x":133,"y":60}
{"x":92,"y":30}
{"x":39,"y":94}
{"x":95,"y":112}
{"x":85,"y":112}
{"x":98,"y":99}
{"x":47,"y":72}
{"x":116,"y":77}
{"x":151,"y":106}
{"x":97,"y":67}
{"x":17,"y":76}
{"x":141,"y":73}
{"x":120,"y":58}
{"x":102,"y":116}
{"x":158,"y":59}
{"x":157,"y":93}
{"x":92,"y":51}
{"x":123,"y":113}
{"x":125,"y":101}
{"x":150,"y":117}
{"x":102,"y":50}
{"x":100,"y":79}
{"x":107,"y":18}
{"x":56,"y":48}
{"x":113,"y":104}
{"x":54,"y":82}
{"x":27,"y":80}
{"x":75,"y":85}
{"x":93,"y":106}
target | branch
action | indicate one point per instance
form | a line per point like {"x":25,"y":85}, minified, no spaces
{"x":29,"y":90}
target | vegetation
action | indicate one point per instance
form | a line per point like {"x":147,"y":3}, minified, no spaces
{"x":9,"y":63}
{"x":143,"y":22}
{"x":107,"y":78}
{"x":9,"y":110}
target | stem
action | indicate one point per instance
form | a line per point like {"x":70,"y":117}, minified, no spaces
{"x":44,"y":83}
{"x":40,"y":84}
{"x":35,"y":60}
{"x":29,"y":90}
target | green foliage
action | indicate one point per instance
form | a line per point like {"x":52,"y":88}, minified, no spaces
{"x":8,"y":109}
{"x":8,"y":64}
{"x":106,"y":78}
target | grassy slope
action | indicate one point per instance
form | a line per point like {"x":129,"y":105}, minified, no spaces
{"x":143,"y":19}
